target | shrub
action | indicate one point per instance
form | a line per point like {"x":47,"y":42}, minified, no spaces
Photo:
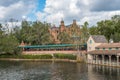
{"x":43,"y":56}
{"x":65,"y":56}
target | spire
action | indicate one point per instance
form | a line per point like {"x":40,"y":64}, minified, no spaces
{"x":74,"y":21}
{"x":62,"y":22}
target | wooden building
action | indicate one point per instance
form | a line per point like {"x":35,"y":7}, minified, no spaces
{"x":99,"y":51}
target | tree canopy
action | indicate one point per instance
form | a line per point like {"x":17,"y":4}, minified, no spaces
{"x":37,"y":33}
{"x":109,"y":28}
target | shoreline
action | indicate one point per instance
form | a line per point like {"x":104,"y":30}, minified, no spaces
{"x":53,"y":60}
{"x":56,"y":60}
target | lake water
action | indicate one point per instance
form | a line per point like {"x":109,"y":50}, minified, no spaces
{"x":19,"y":70}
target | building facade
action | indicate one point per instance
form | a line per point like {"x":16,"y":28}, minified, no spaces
{"x":72,"y":29}
{"x":99,"y":51}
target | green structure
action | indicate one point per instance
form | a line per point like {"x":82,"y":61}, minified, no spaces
{"x":56,"y":46}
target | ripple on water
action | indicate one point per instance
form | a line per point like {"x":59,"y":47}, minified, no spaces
{"x":14,"y":70}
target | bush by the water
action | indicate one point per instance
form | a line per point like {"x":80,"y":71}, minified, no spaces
{"x":65,"y":56}
{"x":43,"y":56}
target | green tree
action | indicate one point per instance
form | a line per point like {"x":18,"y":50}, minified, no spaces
{"x":40,"y":33}
{"x":106,"y":28}
{"x":25,"y":32}
{"x":1,"y":29}
{"x":93,"y":30}
{"x":64,"y":37}
{"x":116,"y":21}
{"x":8,"y":42}
{"x":84,"y":32}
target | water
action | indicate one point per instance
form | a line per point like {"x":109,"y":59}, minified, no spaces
{"x":16,"y":70}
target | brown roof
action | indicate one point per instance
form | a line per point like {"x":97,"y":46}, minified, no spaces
{"x":109,"y":45}
{"x":104,"y":52}
{"x":99,"y":38}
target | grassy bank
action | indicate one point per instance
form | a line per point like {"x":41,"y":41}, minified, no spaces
{"x":42,"y":56}
{"x":65,"y":56}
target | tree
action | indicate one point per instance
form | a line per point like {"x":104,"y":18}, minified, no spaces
{"x":116,"y":37}
{"x":106,"y":28}
{"x":64,"y":37}
{"x":93,"y":30}
{"x":116,"y":21}
{"x":8,"y":42}
{"x":40,"y":33}
{"x":85,"y":32}
{"x":25,"y":32}
{"x":1,"y":32}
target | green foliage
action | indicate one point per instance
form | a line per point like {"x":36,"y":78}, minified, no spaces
{"x":65,"y":56}
{"x":108,"y":28}
{"x":116,"y":37}
{"x":35,"y":33}
{"x":84,"y":32}
{"x":8,"y":44}
{"x":64,"y":37}
{"x":93,"y":30}
{"x":40,"y":33}
{"x":1,"y":32}
{"x":43,"y":56}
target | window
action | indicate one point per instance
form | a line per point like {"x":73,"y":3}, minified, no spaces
{"x":117,"y":48}
{"x":103,"y":48}
{"x":90,"y":41}
{"x":89,"y":48}
{"x":97,"y":48}
{"x":110,"y":48}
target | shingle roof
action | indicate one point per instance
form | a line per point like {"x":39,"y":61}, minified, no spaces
{"x":109,"y":45}
{"x":99,"y":38}
{"x":104,"y":52}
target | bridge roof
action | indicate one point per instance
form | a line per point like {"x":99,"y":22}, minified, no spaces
{"x":52,"y":46}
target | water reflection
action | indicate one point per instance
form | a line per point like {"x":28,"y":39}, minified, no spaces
{"x":13,"y":70}
{"x":96,"y":72}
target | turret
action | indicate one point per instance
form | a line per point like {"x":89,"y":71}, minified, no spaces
{"x":62,"y":23}
{"x":62,"y":26}
{"x":74,"y":22}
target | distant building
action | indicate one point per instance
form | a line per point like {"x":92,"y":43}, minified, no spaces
{"x":72,"y":29}
{"x":99,"y":51}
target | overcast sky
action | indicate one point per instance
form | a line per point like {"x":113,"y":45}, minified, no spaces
{"x":54,"y":10}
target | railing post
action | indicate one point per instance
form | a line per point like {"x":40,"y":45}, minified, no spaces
{"x":103,"y":59}
{"x":110,"y":60}
{"x":96,"y":60}
{"x":117,"y":60}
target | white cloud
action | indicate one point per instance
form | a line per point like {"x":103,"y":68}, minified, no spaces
{"x":55,"y":10}
{"x":15,"y":9}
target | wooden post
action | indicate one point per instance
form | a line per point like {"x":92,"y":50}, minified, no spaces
{"x":103,"y":59}
{"x":110,"y":60}
{"x":117,"y":60}
{"x":96,"y":60}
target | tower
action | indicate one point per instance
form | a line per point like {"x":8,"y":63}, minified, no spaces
{"x":62,"y":26}
{"x":74,"y":22}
